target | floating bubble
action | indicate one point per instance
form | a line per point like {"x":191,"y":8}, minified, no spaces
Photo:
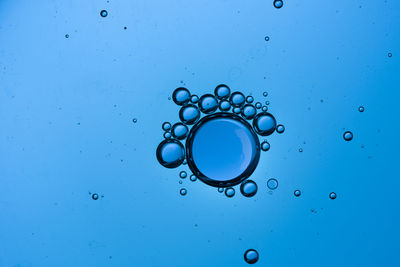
{"x":103,"y":13}
{"x":348,"y":136}
{"x":265,"y":146}
{"x":248,"y":188}
{"x":251,"y":256}
{"x":193,"y":178}
{"x":264,"y":108}
{"x":265,"y":94}
{"x":166,"y":126}
{"x":249,"y":111}
{"x":266,"y":38}
{"x":208,"y":103}
{"x":229,"y":192}
{"x":181,"y":96}
{"x":237,"y":99}
{"x":332,"y":195}
{"x":67,"y":36}
{"x":237,"y":110}
{"x":389,"y":54}
{"x":180,"y":182}
{"x":224,"y":105}
{"x":264,"y":123}
{"x":189,"y":114}
{"x":183,"y":191}
{"x":222,"y":91}
{"x":267,"y":103}
{"x":179,"y":131}
{"x":222,"y":150}
{"x":134,"y":120}
{"x":272,"y":184}
{"x":220,"y":189}
{"x":183,"y":174}
{"x":300,"y":149}
{"x":95,"y":196}
{"x":167,"y":135}
{"x":278,"y":4}
{"x":249,"y":99}
{"x":297,"y":193}
{"x":194,"y":99}
{"x":361,"y":108}
{"x":280,"y":128}
{"x":170,"y":153}
{"x":258,"y":105}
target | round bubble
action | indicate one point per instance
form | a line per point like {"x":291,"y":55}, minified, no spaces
{"x":134,"y":120}
{"x":224,"y":105}
{"x":222,"y":91}
{"x":193,"y":178}
{"x":222,"y":149}
{"x":103,"y":13}
{"x":266,"y":38}
{"x":229,"y":192}
{"x":265,"y":146}
{"x":194,"y":99}
{"x":237,"y":99}
{"x":180,"y":182}
{"x":297,"y":193}
{"x":278,"y":4}
{"x":249,"y":99}
{"x":189,"y":114}
{"x":249,"y":111}
{"x":258,"y":105}
{"x":348,"y":136}
{"x":181,"y":96}
{"x":272,"y":184}
{"x":170,"y":153}
{"x":166,"y":126}
{"x":183,"y":191}
{"x":208,"y":104}
{"x":265,"y":94}
{"x":95,"y":196}
{"x":280,"y":128}
{"x":389,"y":54}
{"x":220,"y":189}
{"x":183,"y":174}
{"x":248,"y":188}
{"x":179,"y":131}
{"x":300,"y":149}
{"x":332,"y":195}
{"x":251,"y":256}
{"x":167,"y":135}
{"x":264,"y":108}
{"x":361,"y":109}
{"x":264,"y":123}
{"x":237,"y":110}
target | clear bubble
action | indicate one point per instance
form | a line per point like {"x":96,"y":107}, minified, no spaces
{"x":267,"y":103}
{"x":361,"y":108}
{"x":194,"y":99}
{"x":170,"y":153}
{"x":237,"y":110}
{"x":266,"y":38}
{"x":224,"y":105}
{"x":220,"y":189}
{"x":208,"y":103}
{"x":103,"y":13}
{"x":249,"y":111}
{"x":280,"y":128}
{"x":95,"y":196}
{"x":278,"y":4}
{"x":264,"y":124}
{"x":272,"y":183}
{"x":264,"y":108}
{"x":258,"y":105}
{"x":183,"y":191}
{"x":251,"y":256}
{"x":265,"y":94}
{"x":249,"y":99}
{"x":179,"y":131}
{"x":389,"y":54}
{"x":181,"y":96}
{"x":300,"y":149}
{"x":248,"y":188}
{"x":189,"y":114}
{"x":183,"y":174}
{"x":297,"y":193}
{"x":166,"y":126}
{"x":67,"y":36}
{"x":193,"y":178}
{"x":348,"y":136}
{"x":229,"y":192}
{"x":265,"y":146}
{"x":332,"y":195}
{"x":237,"y":99}
{"x":222,"y":91}
{"x":167,"y":135}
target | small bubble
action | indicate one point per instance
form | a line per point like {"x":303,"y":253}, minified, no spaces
{"x":280,"y":128}
{"x":194,"y":99}
{"x":348,"y":136}
{"x":103,"y":13}
{"x":179,"y":131}
{"x":193,"y":178}
{"x":272,"y":184}
{"x":183,"y":191}
{"x":248,"y":188}
{"x":220,"y":189}
{"x":237,"y":99}
{"x":237,"y":110}
{"x":389,"y":54}
{"x":67,"y":36}
{"x":264,"y":124}
{"x":249,"y":99}
{"x":181,"y":96}
{"x":166,"y":126}
{"x":249,"y":111}
{"x":180,"y":182}
{"x":95,"y":196}
{"x":332,"y":195}
{"x":224,"y":105}
{"x":251,"y":256}
{"x":170,"y":153}
{"x":300,"y":149}
{"x":125,"y":28}
{"x":265,"y":94}
{"x":229,"y":192}
{"x":267,"y":103}
{"x":266,"y":38}
{"x":258,"y":105}
{"x":264,"y":108}
{"x":278,"y":4}
{"x":167,"y":135}
{"x":134,"y":120}
{"x":183,"y":174}
{"x":189,"y":114}
{"x":265,"y":146}
{"x":222,"y":91}
{"x":208,"y":103}
{"x":297,"y":193}
{"x":361,"y":108}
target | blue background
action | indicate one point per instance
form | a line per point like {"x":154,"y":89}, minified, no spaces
{"x":66,"y":110}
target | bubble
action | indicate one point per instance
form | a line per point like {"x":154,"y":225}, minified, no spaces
{"x":332,"y":195}
{"x":224,"y":105}
{"x":193,"y":178}
{"x":189,"y":114}
{"x":134,"y":120}
{"x":249,"y":99}
{"x":248,"y":188}
{"x":166,"y":126}
{"x":265,"y":146}
{"x":264,"y":108}
{"x":167,"y":135}
{"x":280,"y":128}
{"x":251,"y":256}
{"x":229,"y":192}
{"x":264,"y":123}
{"x":208,"y":103}
{"x":300,"y":149}
{"x":183,"y":191}
{"x":265,"y":94}
{"x":179,"y":131}
{"x":95,"y":196}
{"x":194,"y":99}
{"x":170,"y":153}
{"x":249,"y":111}
{"x":222,"y":91}
{"x":220,"y":189}
{"x":272,"y":183}
{"x":180,"y":182}
{"x":222,"y":149}
{"x":237,"y":110}
{"x":389,"y":54}
{"x":67,"y":36}
{"x":237,"y":99}
{"x":267,"y":103}
{"x":181,"y":96}
{"x":103,"y":13}
{"x":278,"y":4}
{"x":258,"y":105}
{"x":183,"y":174}
{"x":361,"y":108}
{"x":348,"y":136}
{"x":266,"y":38}
{"x":297,"y":193}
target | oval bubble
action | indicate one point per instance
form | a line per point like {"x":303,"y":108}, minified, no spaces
{"x":222,"y":91}
{"x":348,"y":136}
{"x":208,"y":103}
{"x":189,"y":114}
{"x":224,"y":105}
{"x":229,"y":192}
{"x":272,"y":184}
{"x":237,"y":99}
{"x":248,"y":188}
{"x":251,"y":256}
{"x":264,"y":124}
{"x":181,"y":96}
{"x":249,"y":111}
{"x":280,"y":128}
{"x":179,"y":131}
{"x":170,"y":153}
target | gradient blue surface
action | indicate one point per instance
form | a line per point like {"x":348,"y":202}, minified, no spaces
{"x":66,"y":110}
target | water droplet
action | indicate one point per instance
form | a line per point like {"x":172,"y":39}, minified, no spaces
{"x":272,"y":184}
{"x":249,"y":99}
{"x":179,"y":131}
{"x":280,"y":128}
{"x":170,"y":153}
{"x":300,"y":149}
{"x":103,"y":13}
{"x":181,"y":96}
{"x":222,"y":91}
{"x":222,"y":150}
{"x":183,"y":191}
{"x":134,"y":120}
{"x":95,"y":196}
{"x":237,"y":110}
{"x":297,"y":193}
{"x":229,"y":192}
{"x":237,"y":99}
{"x":265,"y":94}
{"x":264,"y":108}
{"x":224,"y":105}
{"x":208,"y":103}
{"x":183,"y":174}
{"x":278,"y":4}
{"x":248,"y":188}
{"x":251,"y":256}
{"x":189,"y":114}
{"x":258,"y":105}
{"x":332,"y":195}
{"x":167,"y":135}
{"x":266,"y":38}
{"x":166,"y":126}
{"x":361,"y":108}
{"x":249,"y":111}
{"x":193,"y":178}
{"x":194,"y":99}
{"x":220,"y":189}
{"x":265,"y":146}
{"x":67,"y":36}
{"x":389,"y":54}
{"x":264,"y":123}
{"x":348,"y":136}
